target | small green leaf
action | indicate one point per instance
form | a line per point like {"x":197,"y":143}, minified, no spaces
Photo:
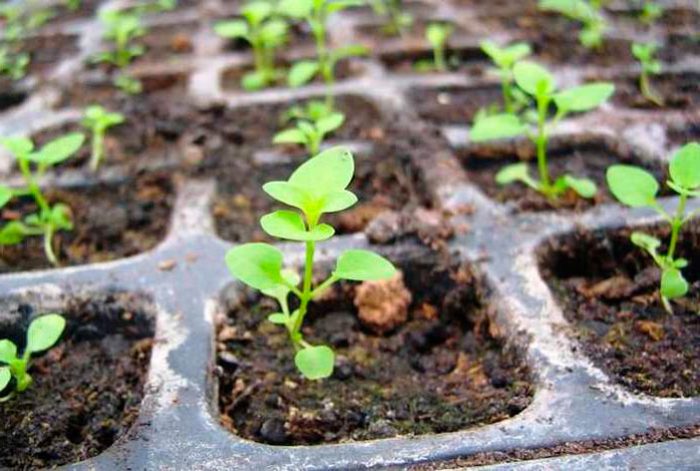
{"x":8,"y":351}
{"x":288,"y":194}
{"x":500,"y":126}
{"x":338,"y":201}
{"x":232,"y":29}
{"x":645,"y":241}
{"x":58,"y":150}
{"x":5,"y":377}
{"x":632,"y":186}
{"x":328,"y":172}
{"x":513,"y":173}
{"x":256,"y":12}
{"x":584,"y":187}
{"x":330,"y":123}
{"x":584,"y":98}
{"x":437,"y":33}
{"x":44,"y":332}
{"x":363,"y":265}
{"x":257,"y":265}
{"x":673,"y":285}
{"x":685,"y":166}
{"x":253,"y":81}
{"x":295,"y":8}
{"x":13,"y":233}
{"x":277,"y":318}
{"x":315,"y":362}
{"x":533,"y":78}
{"x":281,"y":291}
{"x":351,"y":50}
{"x":6,"y":194}
{"x":301,"y":73}
{"x":290,"y":136}
{"x":18,"y":146}
{"x":290,"y":225}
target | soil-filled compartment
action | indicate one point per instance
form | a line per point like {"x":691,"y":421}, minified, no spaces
{"x":447,"y":368}
{"x":608,"y":289}
{"x":87,"y":390}
{"x":578,"y":155}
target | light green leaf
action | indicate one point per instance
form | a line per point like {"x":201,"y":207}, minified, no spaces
{"x":5,"y":377}
{"x":290,"y":136}
{"x":363,"y":265}
{"x":584,"y":187}
{"x":500,"y":126}
{"x":632,"y":186}
{"x":252,"y":81}
{"x":328,"y":172}
{"x":281,"y":291}
{"x":685,"y":166}
{"x":290,"y":225}
{"x":18,"y":146}
{"x":5,"y":195}
{"x":58,"y":150}
{"x":232,"y":29}
{"x":13,"y":233}
{"x":437,"y":33}
{"x":44,"y":332}
{"x":256,"y":12}
{"x":288,"y":194}
{"x":645,"y":241}
{"x":533,"y":78}
{"x":8,"y":351}
{"x":295,"y":8}
{"x":277,"y":318}
{"x":513,"y":173}
{"x":315,"y":362}
{"x":673,"y":285}
{"x":330,"y":123}
{"x":584,"y":98}
{"x":257,"y":265}
{"x":301,"y":73}
{"x":338,"y":201}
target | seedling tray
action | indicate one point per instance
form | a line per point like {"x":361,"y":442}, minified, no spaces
{"x":184,"y":286}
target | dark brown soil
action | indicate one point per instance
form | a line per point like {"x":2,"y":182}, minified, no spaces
{"x":376,"y":32}
{"x":63,"y":14}
{"x":445,"y":370}
{"x":682,"y":135}
{"x":608,"y":289}
{"x":87,"y":390}
{"x":468,"y":60}
{"x":454,"y":105}
{"x":673,"y":19}
{"x":588,"y":158}
{"x":165,"y":41}
{"x":49,"y":50}
{"x":677,"y":91}
{"x":111,"y":222}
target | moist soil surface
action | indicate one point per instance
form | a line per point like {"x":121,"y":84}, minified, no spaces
{"x":469,"y":60}
{"x":608,"y":290}
{"x":110,"y":222}
{"x":677,"y":92}
{"x":87,"y":390}
{"x":444,"y":370}
{"x":589,"y":159}
{"x":454,"y":105}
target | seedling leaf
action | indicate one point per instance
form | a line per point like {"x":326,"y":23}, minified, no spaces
{"x":584,"y":98}
{"x":330,"y":123}
{"x":645,"y":241}
{"x":533,"y":78}
{"x":632,"y":186}
{"x":290,"y":225}
{"x":500,"y":126}
{"x":277,"y":318}
{"x":5,"y":377}
{"x":8,"y":351}
{"x":363,"y":265}
{"x":58,"y":150}
{"x":513,"y":173}
{"x":685,"y":166}
{"x":585,"y":187}
{"x":673,"y":284}
{"x":315,"y":362}
{"x":232,"y":29}
{"x":44,"y":332}
{"x":302,"y":72}
{"x":257,"y":265}
{"x":5,"y":195}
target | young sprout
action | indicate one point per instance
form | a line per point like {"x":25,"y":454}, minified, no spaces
{"x":651,"y":11}
{"x":644,"y":53}
{"x":437,"y":35}
{"x":310,"y":134}
{"x":43,"y":333}
{"x":48,"y":219}
{"x":637,"y":188}
{"x":121,"y":28}
{"x":397,"y":20}
{"x":316,"y":13}
{"x":13,"y":65}
{"x":265,"y":34}
{"x":313,"y":111}
{"x":588,"y":14}
{"x":73,"y":5}
{"x":505,"y":58}
{"x":317,"y":187}
{"x":98,"y":120}
{"x":537,"y":82}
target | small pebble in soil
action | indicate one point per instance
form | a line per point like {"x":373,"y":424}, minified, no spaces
{"x":273,"y":432}
{"x":383,"y":305}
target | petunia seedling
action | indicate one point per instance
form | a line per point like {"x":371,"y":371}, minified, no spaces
{"x":505,"y":58}
{"x":538,"y":83}
{"x":587,"y":13}
{"x":317,"y":187}
{"x":13,"y":65}
{"x":48,"y":219}
{"x":43,"y":333}
{"x":637,"y":188}
{"x":437,"y":34}
{"x":649,"y":65}
{"x":316,"y":14}
{"x":122,"y":28}
{"x":98,"y":120}
{"x":650,"y":12}
{"x":265,"y":33}
{"x":311,"y":134}
{"x":398,"y":21}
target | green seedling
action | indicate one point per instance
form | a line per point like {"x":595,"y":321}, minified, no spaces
{"x":437,"y":34}
{"x":13,"y":65}
{"x":98,"y":120}
{"x":121,"y":29}
{"x":128,"y":84}
{"x":73,"y":5}
{"x":505,"y":58}
{"x":313,"y":111}
{"x":317,"y":187}
{"x":48,"y":219}
{"x":397,"y":20}
{"x":43,"y":333}
{"x":644,"y":53}
{"x":265,"y":33}
{"x":538,"y":83}
{"x":650,"y":12}
{"x":316,"y":13}
{"x":587,"y":13}
{"x":637,"y":188}
{"x":311,"y":134}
